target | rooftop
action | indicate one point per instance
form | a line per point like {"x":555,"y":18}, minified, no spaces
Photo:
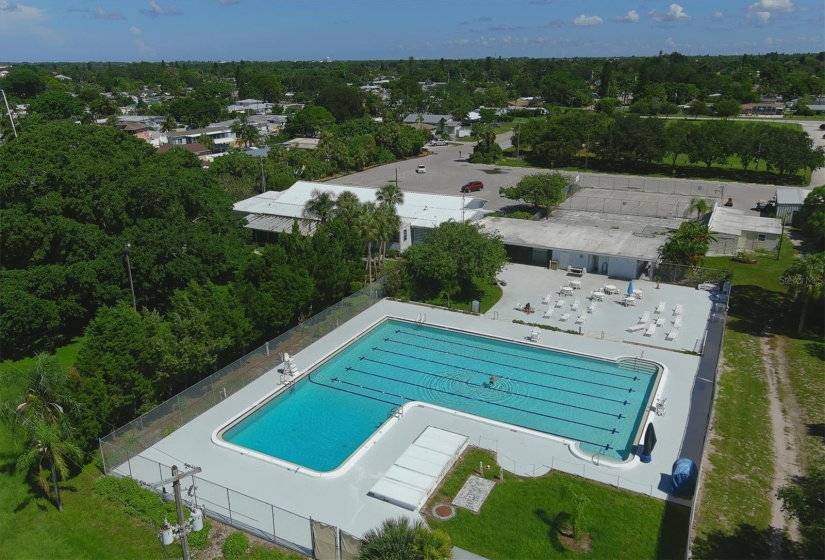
{"x":418,"y":209}
{"x":791,"y":195}
{"x":733,"y":222}
{"x":550,"y":234}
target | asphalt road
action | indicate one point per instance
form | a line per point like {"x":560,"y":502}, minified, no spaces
{"x":448,"y":169}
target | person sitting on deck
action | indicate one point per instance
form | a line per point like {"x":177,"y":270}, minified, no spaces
{"x":528,"y":309}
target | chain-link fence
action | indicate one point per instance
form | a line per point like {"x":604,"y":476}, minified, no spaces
{"x":704,"y":189}
{"x":672,"y":208}
{"x":143,"y":432}
{"x":686,"y":275}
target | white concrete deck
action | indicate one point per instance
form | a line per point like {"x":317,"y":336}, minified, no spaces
{"x":343,"y":500}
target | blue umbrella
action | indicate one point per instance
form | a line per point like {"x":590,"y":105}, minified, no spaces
{"x":630,"y":288}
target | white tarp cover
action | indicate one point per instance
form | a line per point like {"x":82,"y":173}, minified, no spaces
{"x":420,"y":468}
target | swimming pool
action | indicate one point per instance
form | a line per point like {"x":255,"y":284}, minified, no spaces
{"x":325,"y":417}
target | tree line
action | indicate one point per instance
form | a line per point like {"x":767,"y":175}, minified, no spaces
{"x":568,"y":137}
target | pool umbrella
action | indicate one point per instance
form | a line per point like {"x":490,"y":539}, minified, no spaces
{"x":650,"y":443}
{"x":630,"y":288}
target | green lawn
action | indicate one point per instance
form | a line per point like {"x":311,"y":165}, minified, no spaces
{"x":89,"y":526}
{"x":486,"y":293}
{"x":733,"y":518}
{"x":522,"y":518}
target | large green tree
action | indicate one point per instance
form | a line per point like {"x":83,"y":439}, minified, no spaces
{"x":688,"y":245}
{"x":541,"y":190}
{"x":452,"y":255}
{"x":806,"y":281}
{"x":811,"y":217}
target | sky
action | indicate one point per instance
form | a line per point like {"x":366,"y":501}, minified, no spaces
{"x":227,"y":30}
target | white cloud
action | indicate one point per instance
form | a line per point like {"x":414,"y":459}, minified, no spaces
{"x":674,"y":13}
{"x":25,"y":21}
{"x":156,"y":10}
{"x":142,"y":47}
{"x":771,"y":6}
{"x":584,"y":20}
{"x":100,"y":13}
{"x":718,"y":15}
{"x":670,"y":43}
{"x":630,"y":17}
{"x":760,"y":18}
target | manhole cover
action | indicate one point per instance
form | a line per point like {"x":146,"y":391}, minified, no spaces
{"x":444,"y":511}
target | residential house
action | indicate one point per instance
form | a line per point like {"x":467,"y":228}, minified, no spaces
{"x":434,"y":123}
{"x":735,"y":231}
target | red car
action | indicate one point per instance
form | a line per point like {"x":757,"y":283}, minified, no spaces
{"x":472,"y":186}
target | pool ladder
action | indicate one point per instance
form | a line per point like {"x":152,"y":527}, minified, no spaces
{"x":422,"y":318}
{"x":396,"y":412}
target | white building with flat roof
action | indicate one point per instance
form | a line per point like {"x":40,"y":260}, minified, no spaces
{"x":276,"y":212}
{"x":789,"y":200}
{"x":736,"y":231}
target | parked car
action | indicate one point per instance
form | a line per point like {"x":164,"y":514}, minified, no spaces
{"x":438,"y":142}
{"x":822,"y":127}
{"x":421,"y":169}
{"x":472,"y":186}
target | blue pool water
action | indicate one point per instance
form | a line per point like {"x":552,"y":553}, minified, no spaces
{"x":324,"y":418}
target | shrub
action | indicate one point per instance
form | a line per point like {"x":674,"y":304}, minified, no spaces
{"x":200,"y":538}
{"x":235,"y":546}
{"x":137,"y":501}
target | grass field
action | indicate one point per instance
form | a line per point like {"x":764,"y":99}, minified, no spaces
{"x":733,"y":519}
{"x":89,"y":526}
{"x":523,"y":517}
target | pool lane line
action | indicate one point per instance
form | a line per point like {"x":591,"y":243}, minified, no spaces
{"x":604,"y":446}
{"x":550,"y":387}
{"x":410,"y":383}
{"x":512,"y":354}
{"x":556,"y":375}
{"x":311,"y":380}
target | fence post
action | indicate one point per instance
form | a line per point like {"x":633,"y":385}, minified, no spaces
{"x":228,"y":504}
{"x":129,"y":463}
{"x":160,"y":472}
{"x":273,"y":520}
{"x":180,"y":412}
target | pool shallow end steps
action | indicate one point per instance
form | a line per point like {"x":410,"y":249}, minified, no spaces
{"x":502,"y":354}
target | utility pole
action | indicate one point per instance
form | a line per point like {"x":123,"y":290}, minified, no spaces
{"x":396,"y":176}
{"x":8,"y":110}
{"x":175,"y":480}
{"x":129,"y":268}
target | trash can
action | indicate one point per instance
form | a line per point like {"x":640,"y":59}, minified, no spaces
{"x":476,"y":306}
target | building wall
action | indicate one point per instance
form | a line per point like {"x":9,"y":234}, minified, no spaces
{"x":749,"y":241}
{"x":787,"y":211}
{"x":622,"y":267}
{"x":724,"y":245}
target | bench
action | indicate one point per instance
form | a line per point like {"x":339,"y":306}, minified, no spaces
{"x":576,"y":271}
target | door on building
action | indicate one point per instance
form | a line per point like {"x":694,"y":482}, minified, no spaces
{"x":594,"y":264}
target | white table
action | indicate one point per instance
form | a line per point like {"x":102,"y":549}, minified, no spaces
{"x":567,"y":291}
{"x":629,"y":301}
{"x":638,"y":294}
{"x":576,"y":284}
{"x":611,"y":289}
{"x":598,"y":296}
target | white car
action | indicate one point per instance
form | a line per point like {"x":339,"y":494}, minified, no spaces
{"x":421,"y":169}
{"x":438,"y":142}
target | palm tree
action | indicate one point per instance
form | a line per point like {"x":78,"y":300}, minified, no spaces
{"x":347,"y":208}
{"x":389,"y":197}
{"x":168,"y":124}
{"x":245,"y":132}
{"x":320,"y":205}
{"x":806,"y":277}
{"x":39,"y":414}
{"x":368,"y":225}
{"x":688,"y":245}
{"x":400,"y":539}
{"x":50,"y":443}
{"x":700,"y":205}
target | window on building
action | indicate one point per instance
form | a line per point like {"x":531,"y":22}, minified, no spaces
{"x":405,"y":235}
{"x":760,"y":237}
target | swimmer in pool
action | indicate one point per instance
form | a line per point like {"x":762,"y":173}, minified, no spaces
{"x":492,"y":380}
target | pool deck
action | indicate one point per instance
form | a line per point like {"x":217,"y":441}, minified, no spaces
{"x":343,"y":501}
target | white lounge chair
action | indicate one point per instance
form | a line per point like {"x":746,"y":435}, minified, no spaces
{"x":575,"y":305}
{"x":581,"y":319}
{"x":534,"y":335}
{"x":660,"y":406}
{"x":677,"y":324}
{"x":565,"y":317}
{"x":560,"y":303}
{"x":591,"y":308}
{"x":661,"y":307}
{"x":678,"y":310}
{"x":672,"y":335}
{"x":636,"y":328}
{"x":289,"y":365}
{"x":650,"y":329}
{"x":644,"y":318}
{"x":547,"y":298}
{"x":548,"y":313}
{"x":660,"y":322}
